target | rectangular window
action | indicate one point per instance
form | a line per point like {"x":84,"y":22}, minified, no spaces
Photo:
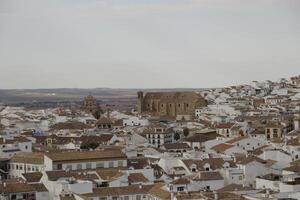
{"x":59,"y":166}
{"x":100,"y":165}
{"x":120,"y":163}
{"x":111,"y":164}
{"x":79,"y":166}
{"x":89,"y":165}
{"x":69,"y":167}
{"x":180,"y":189}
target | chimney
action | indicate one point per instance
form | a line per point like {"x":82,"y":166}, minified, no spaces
{"x":267,"y":193}
{"x":216,"y":196}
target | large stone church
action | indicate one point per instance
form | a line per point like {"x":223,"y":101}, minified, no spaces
{"x":170,"y":104}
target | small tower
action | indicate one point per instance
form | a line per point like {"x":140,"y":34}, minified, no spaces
{"x":140,"y":102}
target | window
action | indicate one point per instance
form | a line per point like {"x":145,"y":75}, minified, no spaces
{"x":59,"y":166}
{"x":100,"y":165}
{"x":111,"y":164}
{"x":79,"y":166}
{"x":138,"y":197}
{"x":180,"y":189}
{"x":208,"y":187}
{"x":268,"y":130}
{"x":275,"y":130}
{"x":88,"y":165}
{"x":240,"y":178}
{"x":69,"y":167}
{"x":126,"y":198}
{"x":120,"y":163}
{"x":207,"y":169}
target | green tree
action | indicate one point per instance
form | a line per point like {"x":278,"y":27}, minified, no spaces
{"x":176,"y":136}
{"x":186,"y":132}
{"x":97,"y":113}
{"x":91,"y":145}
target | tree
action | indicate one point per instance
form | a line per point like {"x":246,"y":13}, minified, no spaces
{"x":176,"y":136}
{"x":97,"y":113}
{"x":186,"y":132}
{"x":91,"y":145}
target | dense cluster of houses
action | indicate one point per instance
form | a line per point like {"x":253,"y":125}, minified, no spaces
{"x":245,"y":144}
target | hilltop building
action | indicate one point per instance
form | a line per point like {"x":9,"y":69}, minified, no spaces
{"x":170,"y":104}
{"x":89,"y":104}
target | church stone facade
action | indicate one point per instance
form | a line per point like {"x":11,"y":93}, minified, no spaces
{"x":170,"y":104}
{"x":89,"y":104}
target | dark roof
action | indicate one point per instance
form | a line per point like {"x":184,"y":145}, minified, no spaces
{"x":137,"y":178}
{"x":205,"y":176}
{"x":248,"y":159}
{"x":138,"y":163}
{"x":271,"y":177}
{"x":224,"y":125}
{"x":71,"y":125}
{"x":215,"y":163}
{"x":202,"y":137}
{"x":181,"y":181}
{"x":175,"y":146}
{"x":28,"y":157}
{"x":80,"y":174}
{"x":33,"y":177}
{"x":102,"y":154}
{"x":20,"y":187}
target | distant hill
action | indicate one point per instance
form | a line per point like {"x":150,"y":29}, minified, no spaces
{"x":124,"y":97}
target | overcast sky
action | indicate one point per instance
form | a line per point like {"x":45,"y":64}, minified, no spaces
{"x":147,"y":43}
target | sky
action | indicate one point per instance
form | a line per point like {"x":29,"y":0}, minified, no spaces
{"x":147,"y":43}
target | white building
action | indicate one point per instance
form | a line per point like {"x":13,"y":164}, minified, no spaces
{"x":76,"y":160}
{"x":135,"y":121}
